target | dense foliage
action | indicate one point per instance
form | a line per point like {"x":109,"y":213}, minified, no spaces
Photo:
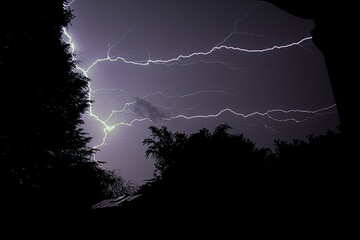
{"x":216,"y":172}
{"x":44,"y":152}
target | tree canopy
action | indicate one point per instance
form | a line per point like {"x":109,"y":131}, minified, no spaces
{"x":45,"y":157}
{"x":217,"y":173}
{"x":208,"y":170}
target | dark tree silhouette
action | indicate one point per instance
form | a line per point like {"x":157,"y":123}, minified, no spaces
{"x":309,"y":175}
{"x":207,"y":173}
{"x":217,"y":183}
{"x":208,"y":177}
{"x":45,"y":160}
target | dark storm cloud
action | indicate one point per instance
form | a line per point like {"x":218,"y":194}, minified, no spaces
{"x":145,"y":108}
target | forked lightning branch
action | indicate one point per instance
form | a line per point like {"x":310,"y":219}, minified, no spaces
{"x":107,"y":127}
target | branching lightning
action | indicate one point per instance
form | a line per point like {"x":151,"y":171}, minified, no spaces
{"x":194,"y":54}
{"x":277,"y":115}
{"x":262,"y":114}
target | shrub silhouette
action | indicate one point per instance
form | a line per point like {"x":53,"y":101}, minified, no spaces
{"x":309,"y":174}
{"x":213,"y":175}
{"x":207,"y":172}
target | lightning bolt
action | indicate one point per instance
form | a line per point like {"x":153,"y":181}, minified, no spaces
{"x":263,"y":114}
{"x":185,"y":59}
{"x":195,"y":54}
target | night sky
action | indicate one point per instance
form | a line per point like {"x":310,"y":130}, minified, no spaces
{"x":229,"y":72}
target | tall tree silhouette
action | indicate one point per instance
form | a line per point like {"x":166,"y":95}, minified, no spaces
{"x":43,"y":149}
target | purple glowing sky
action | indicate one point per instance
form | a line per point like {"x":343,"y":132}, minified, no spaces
{"x":259,"y":91}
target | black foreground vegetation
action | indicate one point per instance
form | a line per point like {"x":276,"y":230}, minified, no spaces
{"x":216,"y":175}
{"x":45,"y":163}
